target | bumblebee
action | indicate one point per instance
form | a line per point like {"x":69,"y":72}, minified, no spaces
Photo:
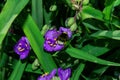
{"x":62,"y":38}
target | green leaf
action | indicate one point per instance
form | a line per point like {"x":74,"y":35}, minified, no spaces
{"x":109,"y":8}
{"x":90,"y":12}
{"x":18,"y":71}
{"x":3,"y":59}
{"x":47,"y":16}
{"x":29,"y":69}
{"x":37,"y":12}
{"x":36,"y":41}
{"x":98,"y":71}
{"x":10,"y":11}
{"x":88,"y":25}
{"x":116,"y":22}
{"x":117,"y":2}
{"x":109,"y":34}
{"x":77,"y":53}
{"x":78,"y":71}
{"x":95,"y":50}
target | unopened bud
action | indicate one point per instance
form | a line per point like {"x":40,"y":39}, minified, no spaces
{"x":85,"y":2}
{"x":69,"y":22}
{"x":73,"y":27}
{"x":53,"y":8}
{"x":44,"y":29}
{"x":35,"y":64}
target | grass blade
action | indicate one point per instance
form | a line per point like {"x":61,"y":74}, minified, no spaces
{"x":78,"y":71}
{"x":18,"y":71}
{"x":108,"y":34}
{"x":10,"y":11}
{"x":36,"y":40}
{"x":37,"y":12}
{"x":73,"y":52}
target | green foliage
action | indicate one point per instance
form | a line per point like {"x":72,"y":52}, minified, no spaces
{"x":32,"y":32}
{"x":10,"y":11}
{"x":92,"y":53}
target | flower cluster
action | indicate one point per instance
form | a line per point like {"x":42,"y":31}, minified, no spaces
{"x":63,"y":74}
{"x":22,"y":47}
{"x":53,"y":39}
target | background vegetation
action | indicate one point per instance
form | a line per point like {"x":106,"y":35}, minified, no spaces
{"x":93,"y":52}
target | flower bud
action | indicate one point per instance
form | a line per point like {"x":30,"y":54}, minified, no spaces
{"x":73,"y":27}
{"x":69,"y":22}
{"x":85,"y":2}
{"x":35,"y":64}
{"x":44,"y":29}
{"x":53,"y":8}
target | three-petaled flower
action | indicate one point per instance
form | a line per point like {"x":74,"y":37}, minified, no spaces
{"x":22,"y":47}
{"x":51,"y":43}
{"x":62,"y":74}
{"x":47,"y":76}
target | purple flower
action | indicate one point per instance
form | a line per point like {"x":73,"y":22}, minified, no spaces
{"x":52,"y":34}
{"x":66,"y":31}
{"x":64,"y":74}
{"x":52,"y":42}
{"x":47,"y":76}
{"x":22,"y":47}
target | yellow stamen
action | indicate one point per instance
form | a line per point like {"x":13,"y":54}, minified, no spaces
{"x":55,"y":39}
{"x":48,"y":42}
{"x":26,"y":45}
{"x":65,"y":32}
{"x":51,"y":44}
{"x":47,"y":38}
{"x":54,"y":45}
{"x":21,"y":49}
{"x":45,"y":74}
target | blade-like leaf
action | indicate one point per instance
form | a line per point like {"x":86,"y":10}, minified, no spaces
{"x":109,"y":8}
{"x":73,"y":52}
{"x":10,"y":11}
{"x":18,"y":71}
{"x":95,"y":50}
{"x":89,"y":12}
{"x":36,"y":40}
{"x":90,"y":26}
{"x":78,"y":71}
{"x":109,"y":34}
{"x":37,"y":12}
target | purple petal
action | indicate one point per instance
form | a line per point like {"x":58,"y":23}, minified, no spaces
{"x":66,"y":30}
{"x":42,"y":78}
{"x":51,"y":34}
{"x":22,"y":47}
{"x":58,"y":47}
{"x":53,"y":48}
{"x":64,"y":74}
{"x":52,"y":74}
{"x":24,"y":55}
{"x":48,"y":76}
{"x":47,"y":47}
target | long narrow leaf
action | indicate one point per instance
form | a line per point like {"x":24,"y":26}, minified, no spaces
{"x":10,"y":11}
{"x":36,"y":40}
{"x":108,"y":34}
{"x":73,"y":52}
{"x":89,"y":12}
{"x":78,"y":71}
{"x":18,"y":71}
{"x":37,"y":12}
